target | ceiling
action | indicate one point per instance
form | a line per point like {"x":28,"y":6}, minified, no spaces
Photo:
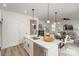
{"x":41,"y":9}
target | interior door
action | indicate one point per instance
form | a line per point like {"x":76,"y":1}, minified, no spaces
{"x":0,"y":33}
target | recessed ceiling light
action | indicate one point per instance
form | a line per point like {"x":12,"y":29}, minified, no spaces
{"x":4,"y":5}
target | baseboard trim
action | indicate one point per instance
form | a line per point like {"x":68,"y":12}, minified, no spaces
{"x":9,"y":46}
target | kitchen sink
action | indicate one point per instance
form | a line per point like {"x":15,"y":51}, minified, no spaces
{"x":35,"y":38}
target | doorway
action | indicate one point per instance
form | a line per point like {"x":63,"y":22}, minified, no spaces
{"x":33,"y":26}
{"x":0,"y":33}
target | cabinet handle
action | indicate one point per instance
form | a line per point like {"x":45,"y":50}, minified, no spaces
{"x":28,"y":45}
{"x":44,"y":52}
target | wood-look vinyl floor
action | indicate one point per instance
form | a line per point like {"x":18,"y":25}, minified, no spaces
{"x":0,"y":52}
{"x":14,"y":51}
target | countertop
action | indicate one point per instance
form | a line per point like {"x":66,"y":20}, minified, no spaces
{"x":41,"y":42}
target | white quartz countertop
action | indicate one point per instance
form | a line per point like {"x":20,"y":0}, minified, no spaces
{"x":41,"y":42}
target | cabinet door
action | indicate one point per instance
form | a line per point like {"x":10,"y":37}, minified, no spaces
{"x":39,"y":50}
{"x":54,"y":51}
{"x":30,"y":47}
{"x":26,"y":44}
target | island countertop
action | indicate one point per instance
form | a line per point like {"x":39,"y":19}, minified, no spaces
{"x":41,"y":42}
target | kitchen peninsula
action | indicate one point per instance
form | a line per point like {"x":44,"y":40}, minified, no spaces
{"x":38,"y":47}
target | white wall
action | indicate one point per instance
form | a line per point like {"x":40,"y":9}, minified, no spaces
{"x":0,"y":15}
{"x":14,"y":28}
{"x":0,"y":28}
{"x":0,"y":33}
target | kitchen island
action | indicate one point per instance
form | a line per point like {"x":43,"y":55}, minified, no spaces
{"x":38,"y":47}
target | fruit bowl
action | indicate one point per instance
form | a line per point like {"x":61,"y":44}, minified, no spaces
{"x":48,"y":38}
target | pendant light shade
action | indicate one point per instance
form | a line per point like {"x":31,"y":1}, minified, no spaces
{"x":56,"y":22}
{"x":48,"y":21}
{"x":55,"y":17}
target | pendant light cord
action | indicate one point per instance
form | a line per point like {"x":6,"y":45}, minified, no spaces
{"x":33,"y":12}
{"x":56,"y":17}
{"x":48,"y":11}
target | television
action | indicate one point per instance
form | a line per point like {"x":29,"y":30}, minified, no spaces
{"x":68,"y":27}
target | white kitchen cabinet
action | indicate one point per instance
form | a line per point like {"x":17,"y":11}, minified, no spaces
{"x":34,"y":49}
{"x":26,"y":44}
{"x":29,"y":46}
{"x":42,"y":51}
{"x":53,"y":51}
{"x":41,"y":48}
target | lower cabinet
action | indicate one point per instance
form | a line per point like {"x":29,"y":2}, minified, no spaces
{"x":33,"y":49}
{"x":53,"y":51}
{"x":29,"y":46}
{"x":39,"y":50}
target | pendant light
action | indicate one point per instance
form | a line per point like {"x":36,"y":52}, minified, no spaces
{"x":33,"y":12}
{"x":56,"y":22}
{"x":33,"y":15}
{"x":48,"y":21}
{"x":55,"y":18}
